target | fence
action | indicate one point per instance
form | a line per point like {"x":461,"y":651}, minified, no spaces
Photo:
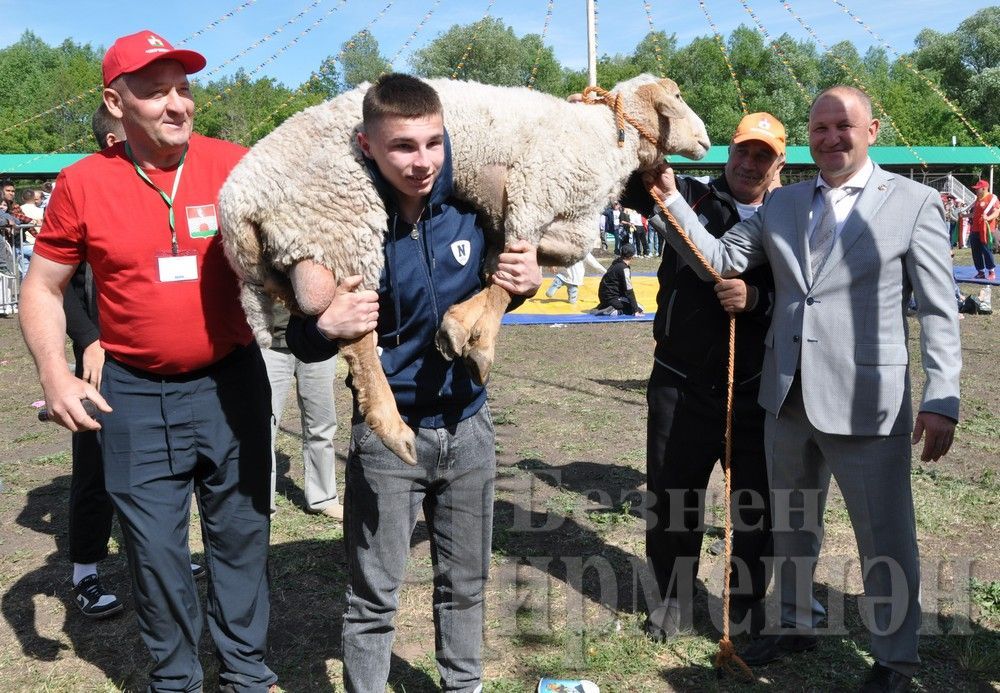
{"x":11,"y":264}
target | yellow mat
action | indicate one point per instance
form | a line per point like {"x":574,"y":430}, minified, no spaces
{"x":645,"y":292}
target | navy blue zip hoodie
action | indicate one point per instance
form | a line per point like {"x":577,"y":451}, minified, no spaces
{"x":428,"y":268}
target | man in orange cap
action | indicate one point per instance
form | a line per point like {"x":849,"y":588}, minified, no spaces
{"x":985,"y":211}
{"x":687,"y":394}
{"x":184,"y":401}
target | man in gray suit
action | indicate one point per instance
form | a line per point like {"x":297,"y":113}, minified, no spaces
{"x":846,"y":250}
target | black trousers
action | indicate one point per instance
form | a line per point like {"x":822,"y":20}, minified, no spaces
{"x":641,"y":241}
{"x":90,"y":509}
{"x":208,"y":433}
{"x":685,"y":437}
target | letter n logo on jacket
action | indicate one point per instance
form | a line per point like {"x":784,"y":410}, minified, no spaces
{"x":461,"y":251}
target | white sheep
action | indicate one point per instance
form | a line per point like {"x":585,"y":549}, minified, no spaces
{"x":301,"y":205}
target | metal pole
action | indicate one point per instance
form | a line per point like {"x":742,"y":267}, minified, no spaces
{"x":591,"y":45}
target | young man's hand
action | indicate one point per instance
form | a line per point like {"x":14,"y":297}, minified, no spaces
{"x":351,"y":314}
{"x":518,"y":271}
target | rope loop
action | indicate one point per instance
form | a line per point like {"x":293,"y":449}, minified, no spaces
{"x":614,"y":101}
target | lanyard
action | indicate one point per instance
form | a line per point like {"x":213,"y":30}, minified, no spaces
{"x":169,"y":200}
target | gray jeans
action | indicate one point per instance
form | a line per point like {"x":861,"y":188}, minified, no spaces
{"x":453,"y":484}
{"x":314,"y":386}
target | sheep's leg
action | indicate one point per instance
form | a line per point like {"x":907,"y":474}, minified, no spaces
{"x":375,"y":399}
{"x":470,"y":329}
{"x":456,"y":326}
{"x":315,"y":287}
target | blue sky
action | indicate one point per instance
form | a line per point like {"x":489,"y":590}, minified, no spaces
{"x":328,"y":23}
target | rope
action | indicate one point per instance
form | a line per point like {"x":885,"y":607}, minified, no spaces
{"x":596,"y":95}
{"x":854,"y":78}
{"x":216,"y":22}
{"x":725,"y":56}
{"x":97,"y":89}
{"x":472,"y":40}
{"x":726,"y":658}
{"x":924,"y":78}
{"x":656,"y":40}
{"x":324,"y":70}
{"x":228,"y":90}
{"x":541,"y":45}
{"x":409,"y":39}
{"x":779,"y":50}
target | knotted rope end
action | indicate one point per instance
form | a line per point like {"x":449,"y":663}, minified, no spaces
{"x":726,"y":659}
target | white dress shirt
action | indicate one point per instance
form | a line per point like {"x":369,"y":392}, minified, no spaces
{"x":843,"y":207}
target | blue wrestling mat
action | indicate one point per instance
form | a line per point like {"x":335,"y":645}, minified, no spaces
{"x":967,"y":275}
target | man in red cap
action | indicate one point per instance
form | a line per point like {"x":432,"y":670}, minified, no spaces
{"x":985,"y":211}
{"x":184,"y":402}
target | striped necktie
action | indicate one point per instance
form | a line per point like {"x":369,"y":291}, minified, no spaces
{"x":824,"y":233}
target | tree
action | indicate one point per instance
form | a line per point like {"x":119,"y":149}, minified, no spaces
{"x":361,"y":60}
{"x":704,"y":80}
{"x":326,"y":81}
{"x":63,"y":82}
{"x":243,"y":110}
{"x":941,"y":56}
{"x":645,"y":54}
{"x":488,"y":51}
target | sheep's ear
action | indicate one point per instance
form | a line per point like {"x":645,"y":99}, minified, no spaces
{"x":664,"y":97}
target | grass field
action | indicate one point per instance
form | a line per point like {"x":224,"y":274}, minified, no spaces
{"x":569,"y":404}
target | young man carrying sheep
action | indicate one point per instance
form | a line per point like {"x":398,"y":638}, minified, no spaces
{"x":434,"y":251}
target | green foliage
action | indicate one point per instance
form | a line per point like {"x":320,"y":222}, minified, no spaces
{"x":488,"y":51}
{"x":986,"y":595}
{"x":780,"y":77}
{"x":966,"y":63}
{"x":361,"y":60}
{"x":243,"y":110}
{"x":36,"y":77}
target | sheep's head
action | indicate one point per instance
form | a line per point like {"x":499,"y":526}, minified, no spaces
{"x":658,"y":106}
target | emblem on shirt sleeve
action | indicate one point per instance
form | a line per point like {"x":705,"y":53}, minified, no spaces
{"x":462,"y":250}
{"x":202,"y":221}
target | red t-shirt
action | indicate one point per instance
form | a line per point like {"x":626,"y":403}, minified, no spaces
{"x":103,"y":213}
{"x":980,"y":208}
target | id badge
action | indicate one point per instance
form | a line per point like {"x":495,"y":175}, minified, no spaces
{"x":177,"y":268}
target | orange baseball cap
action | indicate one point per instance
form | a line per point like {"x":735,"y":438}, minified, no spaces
{"x":136,"y":51}
{"x":762,"y":127}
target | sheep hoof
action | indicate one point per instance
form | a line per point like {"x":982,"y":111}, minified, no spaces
{"x":451,"y":338}
{"x":403,"y":442}
{"x":480,"y":363}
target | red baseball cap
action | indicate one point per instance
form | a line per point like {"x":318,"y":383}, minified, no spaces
{"x":136,"y":51}
{"x":981,"y":185}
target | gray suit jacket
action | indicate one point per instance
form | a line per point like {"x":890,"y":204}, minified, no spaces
{"x":846,"y":329}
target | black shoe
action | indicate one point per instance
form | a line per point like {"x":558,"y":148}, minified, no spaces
{"x":885,"y":680}
{"x":93,"y":601}
{"x":198,"y":571}
{"x":770,"y":648}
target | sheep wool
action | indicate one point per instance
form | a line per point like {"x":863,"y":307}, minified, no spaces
{"x":538,"y":167}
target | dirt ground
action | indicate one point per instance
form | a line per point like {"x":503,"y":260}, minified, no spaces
{"x":565,"y":598}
